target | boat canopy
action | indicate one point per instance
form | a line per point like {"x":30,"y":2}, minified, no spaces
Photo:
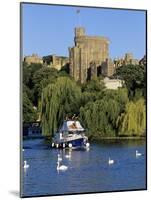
{"x":71,"y":125}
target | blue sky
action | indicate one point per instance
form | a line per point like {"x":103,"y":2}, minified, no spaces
{"x":49,"y":29}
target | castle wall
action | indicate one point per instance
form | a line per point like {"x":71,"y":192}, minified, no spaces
{"x":87,"y":50}
{"x":54,"y":61}
{"x":34,"y":58}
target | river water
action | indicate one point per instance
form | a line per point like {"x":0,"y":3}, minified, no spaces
{"x":88,"y":171}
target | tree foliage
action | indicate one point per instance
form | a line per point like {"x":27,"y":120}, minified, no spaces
{"x":133,"y":120}
{"x":59,"y":100}
{"x":29,"y":113}
{"x":134,"y":77}
{"x":41,"y":79}
{"x":100,"y":116}
{"x":103,"y":112}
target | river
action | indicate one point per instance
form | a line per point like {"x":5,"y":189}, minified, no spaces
{"x":88,"y":171}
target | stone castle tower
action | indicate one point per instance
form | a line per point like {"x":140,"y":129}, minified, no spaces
{"x":89,"y":54}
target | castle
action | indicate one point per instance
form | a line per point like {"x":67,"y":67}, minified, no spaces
{"x":126,"y":60}
{"x":34,"y":58}
{"x":51,"y":61}
{"x":89,"y":57}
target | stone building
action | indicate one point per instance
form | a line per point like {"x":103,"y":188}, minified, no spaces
{"x":113,"y":84}
{"x":54,"y":61}
{"x":87,"y":56}
{"x":34,"y":58}
{"x":107,"y":68}
{"x":128,"y":59}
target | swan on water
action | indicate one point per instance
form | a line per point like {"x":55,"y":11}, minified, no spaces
{"x":138,"y":154}
{"x":61,"y":167}
{"x":87,"y":144}
{"x":26,"y":165}
{"x":110,"y":162}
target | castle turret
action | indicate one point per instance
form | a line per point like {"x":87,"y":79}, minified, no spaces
{"x":87,"y":55}
{"x":79,"y":31}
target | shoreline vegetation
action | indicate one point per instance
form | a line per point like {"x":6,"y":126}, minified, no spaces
{"x":50,"y":96}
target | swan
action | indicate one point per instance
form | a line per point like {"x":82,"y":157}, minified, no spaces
{"x":87,"y":145}
{"x":110,"y":162}
{"x":26,"y":165}
{"x":138,"y":154}
{"x":59,"y":158}
{"x":61,"y":167}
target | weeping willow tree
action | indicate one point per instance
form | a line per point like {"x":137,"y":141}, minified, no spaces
{"x":133,"y":121}
{"x":100,"y":118}
{"x":58,"y":100}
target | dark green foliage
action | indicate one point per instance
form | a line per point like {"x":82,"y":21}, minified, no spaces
{"x":95,"y":85}
{"x":92,"y":91}
{"x":28,"y":92}
{"x":41,"y":79}
{"x":28,"y":73}
{"x":134,"y":77}
{"x":29,"y":113}
{"x":64,"y":70}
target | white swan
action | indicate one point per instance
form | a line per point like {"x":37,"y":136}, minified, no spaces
{"x":61,"y":167}
{"x":26,"y":165}
{"x":59,"y":158}
{"x":87,"y":145}
{"x":138,"y":154}
{"x":110,"y":162}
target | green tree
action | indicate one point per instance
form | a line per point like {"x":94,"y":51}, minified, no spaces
{"x":59,"y":99}
{"x":100,"y":118}
{"x":41,"y":79}
{"x":94,"y":85}
{"x":92,"y":90}
{"x":133,"y":120}
{"x":29,"y":113}
{"x":28,"y":73}
{"x":134,"y":77}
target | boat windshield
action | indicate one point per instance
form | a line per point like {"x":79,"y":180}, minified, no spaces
{"x":72,"y":132}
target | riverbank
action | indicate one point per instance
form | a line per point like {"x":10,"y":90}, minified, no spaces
{"x":117,"y":138}
{"x":122,"y":138}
